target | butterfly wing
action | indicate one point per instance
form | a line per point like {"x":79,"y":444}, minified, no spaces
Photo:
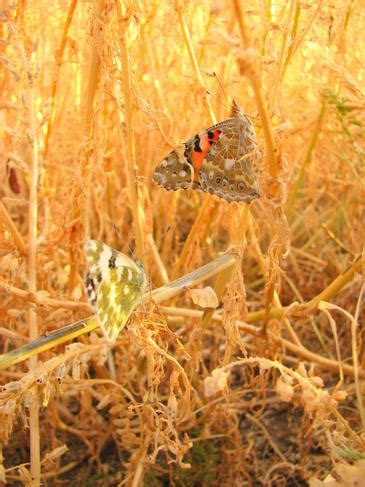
{"x":219,"y":160}
{"x":229,"y":167}
{"x":180,"y":168}
{"x":175,"y":170}
{"x":114,"y":284}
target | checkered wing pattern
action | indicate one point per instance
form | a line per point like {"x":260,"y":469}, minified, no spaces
{"x":114,"y":284}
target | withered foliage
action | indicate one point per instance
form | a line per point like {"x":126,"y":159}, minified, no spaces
{"x":268,"y":388}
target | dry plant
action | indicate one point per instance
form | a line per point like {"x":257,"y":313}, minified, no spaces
{"x":267,"y":387}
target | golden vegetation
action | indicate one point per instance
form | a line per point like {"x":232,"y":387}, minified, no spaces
{"x":268,"y":388}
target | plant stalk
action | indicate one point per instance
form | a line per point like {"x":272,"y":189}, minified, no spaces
{"x":137,"y":210}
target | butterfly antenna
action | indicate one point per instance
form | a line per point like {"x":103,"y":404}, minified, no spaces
{"x":223,"y":91}
{"x":123,"y":241}
{"x":213,"y":94}
{"x":148,"y":245}
{"x":236,"y":110}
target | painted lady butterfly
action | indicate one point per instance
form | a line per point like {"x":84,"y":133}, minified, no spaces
{"x":220,"y":160}
{"x":114,"y":284}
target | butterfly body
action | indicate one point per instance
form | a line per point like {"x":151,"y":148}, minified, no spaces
{"x":114,"y":283}
{"x":219,"y":160}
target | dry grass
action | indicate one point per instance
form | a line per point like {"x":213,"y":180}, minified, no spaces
{"x":268,"y":389}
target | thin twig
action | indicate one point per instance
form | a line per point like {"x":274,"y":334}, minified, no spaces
{"x":10,"y":226}
{"x":39,"y":299}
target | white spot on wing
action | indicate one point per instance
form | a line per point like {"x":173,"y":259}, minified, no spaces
{"x":125,"y":290}
{"x":168,"y":161}
{"x":113,"y":294}
{"x":92,"y":295}
{"x":104,"y":261}
{"x":119,"y":272}
{"x":160,"y":178}
{"x":124,"y":260}
{"x":228,"y":164}
{"x":105,"y":319}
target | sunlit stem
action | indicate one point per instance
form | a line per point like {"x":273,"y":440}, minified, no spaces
{"x":307,"y":159}
{"x":136,"y":206}
{"x":59,"y":56}
{"x":89,"y":324}
{"x":256,"y":86}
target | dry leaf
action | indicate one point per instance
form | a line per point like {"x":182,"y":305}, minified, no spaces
{"x":104,"y":402}
{"x":284,"y":389}
{"x":54,"y":454}
{"x":206,"y":297}
{"x":215,"y":383}
{"x":350,"y":476}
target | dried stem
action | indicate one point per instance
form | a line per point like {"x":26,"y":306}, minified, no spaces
{"x":293,"y":35}
{"x":280,"y":71}
{"x":38,"y":298}
{"x":337,"y":284}
{"x":299,"y":40}
{"x":194,"y":62}
{"x":276,"y":299}
{"x":208,"y":207}
{"x":59,"y":56}
{"x":274,"y":162}
{"x":9,"y":224}
{"x":201,"y":226}
{"x":256,"y":86}
{"x":32,"y":275}
{"x":308,"y":157}
{"x":94,"y":70}
{"x":157,"y":259}
{"x":354,"y":329}
{"x":137,"y":209}
{"x":110,"y":84}
{"x":172,"y":289}
{"x":30,"y":105}
{"x":89,"y":324}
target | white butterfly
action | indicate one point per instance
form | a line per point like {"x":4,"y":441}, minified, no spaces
{"x":114,"y":284}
